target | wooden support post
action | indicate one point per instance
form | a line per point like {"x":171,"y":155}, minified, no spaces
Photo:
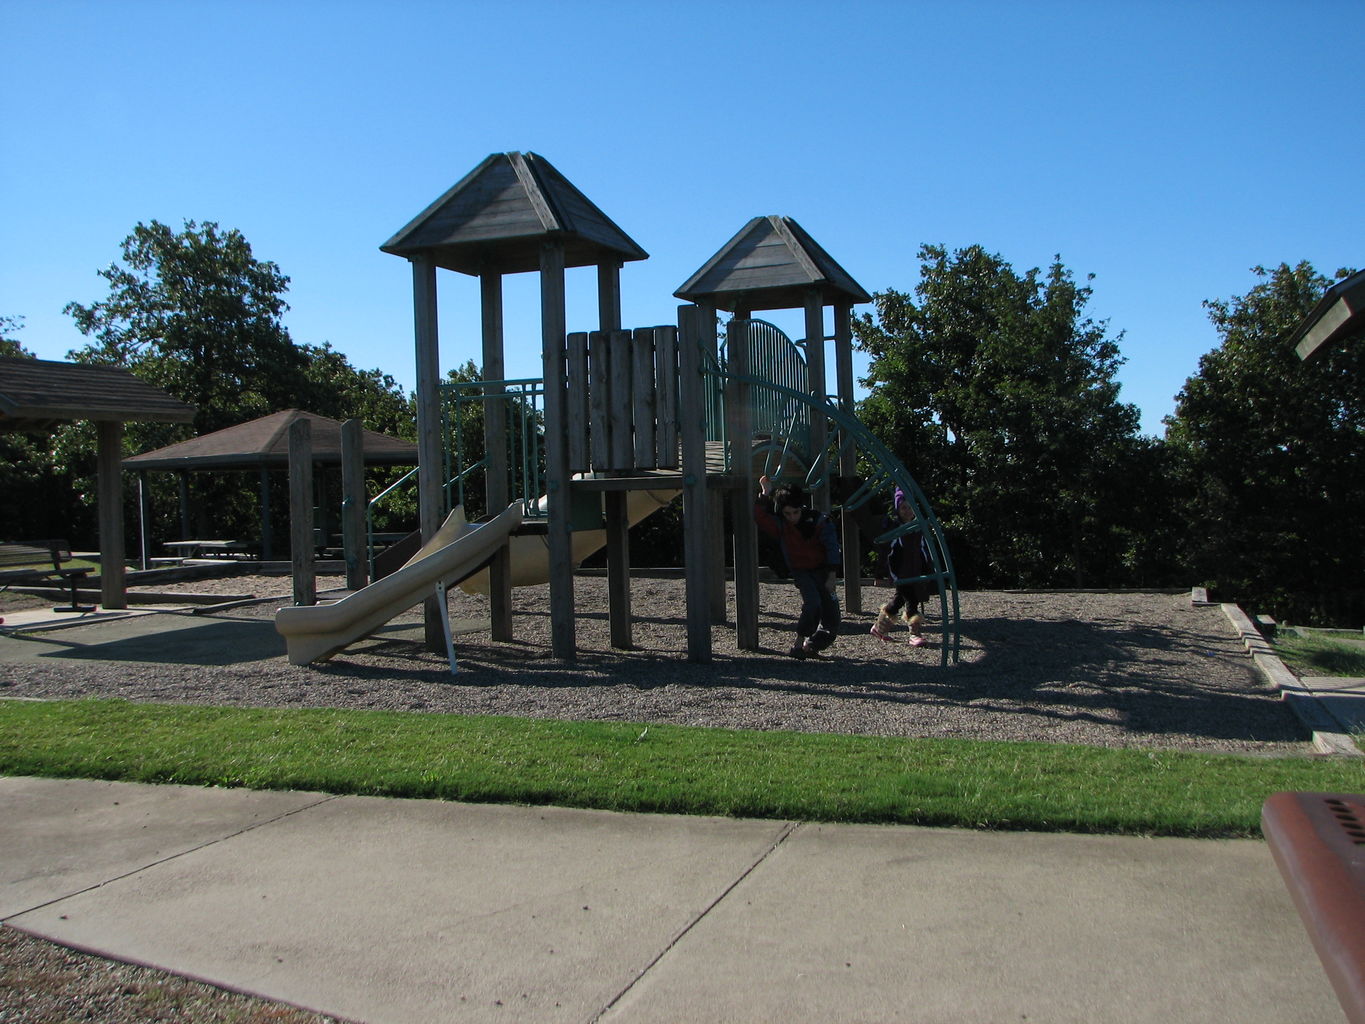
{"x":113,"y":592}
{"x":617,"y":522}
{"x":301,"y":512}
{"x":848,"y":456}
{"x":815,"y":366}
{"x":430,"y":501}
{"x":692,"y":412}
{"x":553,"y":357}
{"x":353,"y":504}
{"x":741,"y":431}
{"x":609,"y":296}
{"x":495,"y":448}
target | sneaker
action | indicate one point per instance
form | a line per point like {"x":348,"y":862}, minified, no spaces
{"x":882,"y":635}
{"x":808,"y":651}
{"x":798,"y":651}
{"x":917,"y":641}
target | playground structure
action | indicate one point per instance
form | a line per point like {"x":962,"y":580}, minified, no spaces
{"x":630,"y":416}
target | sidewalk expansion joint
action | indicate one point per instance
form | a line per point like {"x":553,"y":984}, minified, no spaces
{"x":326,"y":798}
{"x":787,"y":829}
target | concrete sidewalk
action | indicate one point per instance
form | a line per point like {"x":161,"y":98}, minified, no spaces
{"x":419,"y":911}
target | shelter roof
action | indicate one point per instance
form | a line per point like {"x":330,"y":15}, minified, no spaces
{"x":495,"y":218}
{"x":265,"y":443}
{"x":772,"y":263}
{"x":37,"y":394}
{"x":1339,"y":313}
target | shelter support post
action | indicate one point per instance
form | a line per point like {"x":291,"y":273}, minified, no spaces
{"x":184,"y":486}
{"x":112,"y":580}
{"x":430,"y":504}
{"x":267,"y":534}
{"x":301,"y":512}
{"x":144,"y":513}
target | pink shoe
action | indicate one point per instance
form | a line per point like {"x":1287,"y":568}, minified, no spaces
{"x":881,"y":635}
{"x":916,"y":640}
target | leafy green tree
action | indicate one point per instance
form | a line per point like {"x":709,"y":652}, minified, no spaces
{"x":37,"y":492}
{"x":1270,"y":455}
{"x":999,"y":394}
{"x":195,"y":313}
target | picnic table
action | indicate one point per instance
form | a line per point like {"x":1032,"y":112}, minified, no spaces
{"x":215,"y":548}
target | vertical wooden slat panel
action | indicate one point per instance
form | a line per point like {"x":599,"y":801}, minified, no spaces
{"x":643,"y":396}
{"x":577,"y":400}
{"x":666,"y":378}
{"x":692,"y":412}
{"x":599,"y":395}
{"x":618,"y":404}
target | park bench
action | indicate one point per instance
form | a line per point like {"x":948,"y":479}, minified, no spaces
{"x":1318,"y":841}
{"x":41,"y":561}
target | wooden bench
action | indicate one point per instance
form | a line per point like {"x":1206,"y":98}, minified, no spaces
{"x":1318,"y":841}
{"x":41,"y":561}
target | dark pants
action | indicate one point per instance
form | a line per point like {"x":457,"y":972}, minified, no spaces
{"x":819,"y":607}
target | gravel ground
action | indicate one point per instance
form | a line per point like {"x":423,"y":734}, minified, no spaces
{"x":1110,"y":669}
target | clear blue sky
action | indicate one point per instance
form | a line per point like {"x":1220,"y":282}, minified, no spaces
{"x":1164,"y":147}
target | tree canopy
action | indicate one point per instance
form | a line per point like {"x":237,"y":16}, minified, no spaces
{"x":999,"y":394}
{"x":196,"y":313}
{"x":1270,"y":453}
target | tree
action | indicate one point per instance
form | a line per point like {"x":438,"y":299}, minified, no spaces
{"x":1000,"y":396}
{"x":197,"y":314}
{"x":37,"y":492}
{"x":1270,"y":453}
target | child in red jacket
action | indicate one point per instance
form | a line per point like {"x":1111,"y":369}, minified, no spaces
{"x":811,"y":548}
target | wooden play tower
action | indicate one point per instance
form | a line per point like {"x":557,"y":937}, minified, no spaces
{"x":629,"y":410}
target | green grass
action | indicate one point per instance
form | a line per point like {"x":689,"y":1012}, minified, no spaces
{"x":673,"y":769}
{"x":1318,"y":654}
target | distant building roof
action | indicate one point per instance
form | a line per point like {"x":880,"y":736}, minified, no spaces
{"x":264,"y":442}
{"x":495,"y":218}
{"x":770,"y":264}
{"x":1339,"y":313}
{"x":37,"y":394}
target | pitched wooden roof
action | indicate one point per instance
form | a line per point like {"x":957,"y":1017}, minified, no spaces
{"x":770,"y":264}
{"x":37,"y":394}
{"x":1339,"y":313}
{"x":265,"y":443}
{"x":496,"y":216}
